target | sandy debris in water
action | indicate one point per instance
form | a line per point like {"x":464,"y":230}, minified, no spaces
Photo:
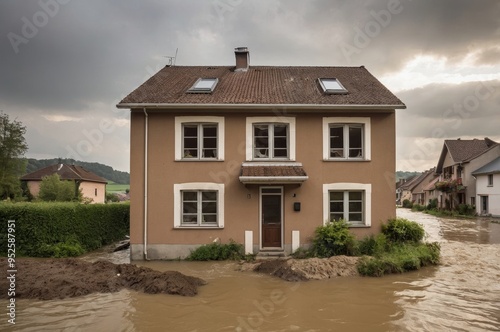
{"x":48,"y":279}
{"x":306,"y":269}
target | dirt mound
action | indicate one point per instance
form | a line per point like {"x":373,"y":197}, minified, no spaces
{"x":48,"y":279}
{"x":306,"y":269}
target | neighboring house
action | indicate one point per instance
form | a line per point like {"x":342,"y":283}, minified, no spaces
{"x":405,"y":188}
{"x":488,"y":188}
{"x":413,"y":189}
{"x":92,"y":186}
{"x":430,"y":191}
{"x":418,"y":187}
{"x":259,"y":154}
{"x":458,"y":159}
{"x":401,"y":195}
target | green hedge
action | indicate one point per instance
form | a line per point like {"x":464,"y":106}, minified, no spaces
{"x":63,"y":229}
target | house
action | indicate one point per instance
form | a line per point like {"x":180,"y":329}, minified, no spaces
{"x":458,"y":159}
{"x":430,"y":191}
{"x":399,"y":189}
{"x":404,"y":189}
{"x":259,"y":154}
{"x":91,"y":185}
{"x":419,"y":185}
{"x":488,"y":188}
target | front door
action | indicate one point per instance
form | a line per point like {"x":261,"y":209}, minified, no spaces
{"x":271,"y":216}
{"x":484,"y":204}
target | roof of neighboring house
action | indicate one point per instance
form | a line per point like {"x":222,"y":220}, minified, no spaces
{"x":66,"y":172}
{"x":490,"y":168}
{"x":431,"y":185}
{"x":462,"y":150}
{"x":272,"y":173}
{"x":261,"y":85}
{"x":410,"y":185}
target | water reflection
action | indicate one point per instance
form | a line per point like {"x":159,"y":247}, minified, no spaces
{"x":462,"y":294}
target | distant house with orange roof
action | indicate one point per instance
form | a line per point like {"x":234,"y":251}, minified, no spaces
{"x":91,"y":185}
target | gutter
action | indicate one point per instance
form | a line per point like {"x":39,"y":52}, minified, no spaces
{"x":261,"y":106}
{"x":146,"y":126}
{"x":272,"y":179}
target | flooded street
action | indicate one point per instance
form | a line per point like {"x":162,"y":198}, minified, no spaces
{"x":462,"y":294}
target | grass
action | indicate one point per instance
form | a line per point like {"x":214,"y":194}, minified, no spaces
{"x":113,"y":187}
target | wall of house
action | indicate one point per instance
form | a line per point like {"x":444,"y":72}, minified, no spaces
{"x":493,"y":193}
{"x":242,"y":202}
{"x":468,"y":180}
{"x":89,"y":190}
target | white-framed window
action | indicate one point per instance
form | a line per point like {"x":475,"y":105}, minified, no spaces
{"x":204,"y":85}
{"x":199,"y":205}
{"x":346,"y":138}
{"x":348,"y":201}
{"x":270,"y":138}
{"x":332,"y":86}
{"x":490,"y":180}
{"x":199,"y":138}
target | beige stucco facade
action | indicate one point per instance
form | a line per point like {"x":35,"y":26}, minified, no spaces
{"x":91,"y":190}
{"x":242,"y":202}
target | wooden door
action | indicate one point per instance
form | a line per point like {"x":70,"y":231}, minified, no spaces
{"x":271,"y":216}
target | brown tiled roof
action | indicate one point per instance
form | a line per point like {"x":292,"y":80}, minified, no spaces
{"x":271,"y":173}
{"x":464,"y":150}
{"x":66,"y":172}
{"x":262,"y":85}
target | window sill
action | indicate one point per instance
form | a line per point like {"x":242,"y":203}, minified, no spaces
{"x":198,"y":227}
{"x":359,"y":226}
{"x":346,"y":160}
{"x":199,"y":160}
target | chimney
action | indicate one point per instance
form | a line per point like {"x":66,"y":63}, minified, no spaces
{"x":242,"y":58}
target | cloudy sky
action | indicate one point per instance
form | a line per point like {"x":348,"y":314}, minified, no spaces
{"x":64,"y":64}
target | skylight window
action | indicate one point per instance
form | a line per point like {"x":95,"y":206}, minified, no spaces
{"x":204,"y":85}
{"x":332,"y":86}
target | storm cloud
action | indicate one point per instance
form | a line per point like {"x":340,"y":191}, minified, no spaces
{"x":65,"y":64}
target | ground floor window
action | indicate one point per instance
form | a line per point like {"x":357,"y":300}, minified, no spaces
{"x":348,"y":201}
{"x":199,"y":205}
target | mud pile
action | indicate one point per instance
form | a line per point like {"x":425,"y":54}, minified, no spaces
{"x":306,"y":269}
{"x":48,"y":279}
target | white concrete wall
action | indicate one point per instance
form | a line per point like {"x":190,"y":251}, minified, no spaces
{"x":493,"y":193}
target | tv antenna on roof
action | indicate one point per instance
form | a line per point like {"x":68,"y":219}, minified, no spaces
{"x":171,"y":59}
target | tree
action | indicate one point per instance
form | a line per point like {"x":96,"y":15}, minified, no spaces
{"x":53,"y":189}
{"x":12,"y":148}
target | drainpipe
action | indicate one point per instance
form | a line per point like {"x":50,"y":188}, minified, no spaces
{"x":146,"y":126}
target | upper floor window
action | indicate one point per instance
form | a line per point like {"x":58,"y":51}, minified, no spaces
{"x":199,"y":141}
{"x":490,"y":180}
{"x":270,"y":141}
{"x":199,"y":138}
{"x":270,"y":138}
{"x":346,"y":138}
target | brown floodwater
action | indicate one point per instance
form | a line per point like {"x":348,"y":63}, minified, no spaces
{"x":462,"y":294}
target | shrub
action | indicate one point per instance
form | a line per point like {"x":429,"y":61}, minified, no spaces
{"x":52,"y":189}
{"x":407,"y":204}
{"x":373,"y":245}
{"x":112,"y":197}
{"x":333,"y":239}
{"x":400,"y":230}
{"x":401,"y":258}
{"x":433,"y":203}
{"x":466,"y":209}
{"x":217,"y":252}
{"x":47,"y":229}
{"x":418,"y":207}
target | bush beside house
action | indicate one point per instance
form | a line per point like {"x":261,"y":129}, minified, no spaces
{"x":63,"y":229}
